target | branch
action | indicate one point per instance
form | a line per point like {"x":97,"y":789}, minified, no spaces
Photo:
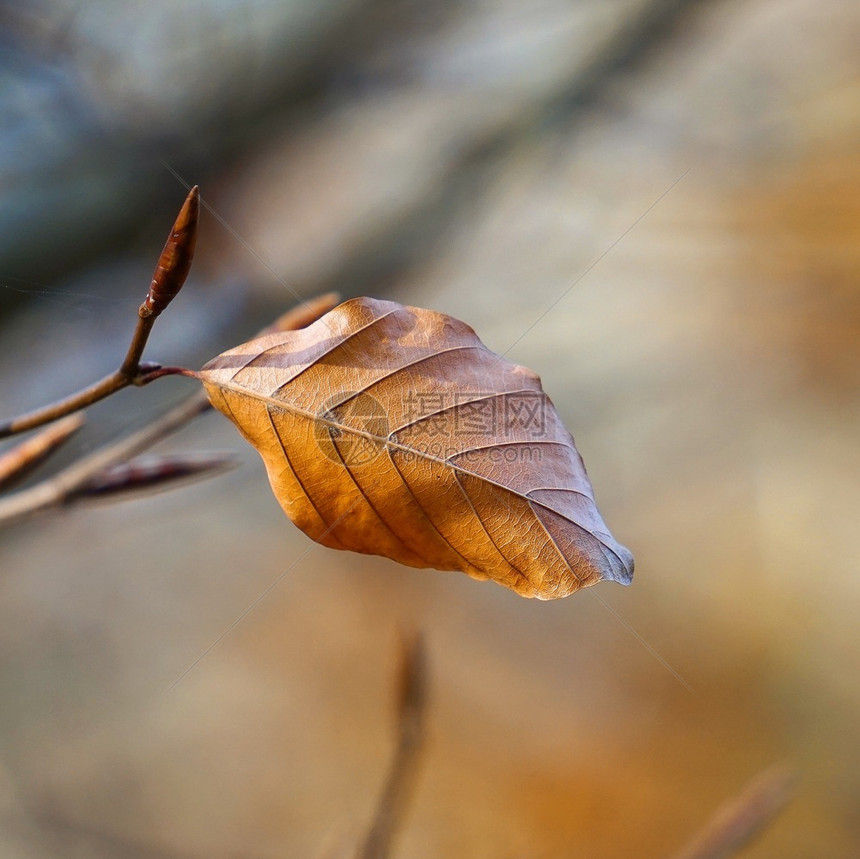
{"x":170,"y":273}
{"x":87,"y":476}
{"x":741,"y":819}
{"x":71,"y":483}
{"x":412,"y":704}
{"x":303,"y":315}
{"x":17,"y":462}
{"x":137,"y":475}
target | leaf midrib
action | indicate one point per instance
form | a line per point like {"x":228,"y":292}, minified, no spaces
{"x":387,"y":442}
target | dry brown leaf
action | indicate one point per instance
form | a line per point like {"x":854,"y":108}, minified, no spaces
{"x":394,"y":431}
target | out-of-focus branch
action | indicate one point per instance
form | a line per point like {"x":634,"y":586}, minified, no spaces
{"x":170,"y":273}
{"x":17,"y":462}
{"x":302,"y":315}
{"x":412,"y":705}
{"x":89,"y":476}
{"x":155,"y":472}
{"x":71,"y":483}
{"x":741,"y":819}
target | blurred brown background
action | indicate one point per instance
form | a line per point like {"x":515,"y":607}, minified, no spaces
{"x":476,"y":158}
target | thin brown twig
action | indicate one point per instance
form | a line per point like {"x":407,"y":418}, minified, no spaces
{"x":412,"y":705}
{"x":741,"y":819}
{"x":73,"y":482}
{"x":68,"y":484}
{"x":170,"y":273}
{"x":116,"y":381}
{"x":17,"y":462}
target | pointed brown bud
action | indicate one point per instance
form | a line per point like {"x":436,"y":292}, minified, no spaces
{"x":175,"y":260}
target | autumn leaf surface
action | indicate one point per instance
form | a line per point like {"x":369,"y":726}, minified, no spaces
{"x":394,"y":431}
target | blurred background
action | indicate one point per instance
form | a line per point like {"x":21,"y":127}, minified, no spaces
{"x":655,"y":204}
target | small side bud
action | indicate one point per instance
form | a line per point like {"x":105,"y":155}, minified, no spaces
{"x":175,"y":260}
{"x":154,"y":473}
